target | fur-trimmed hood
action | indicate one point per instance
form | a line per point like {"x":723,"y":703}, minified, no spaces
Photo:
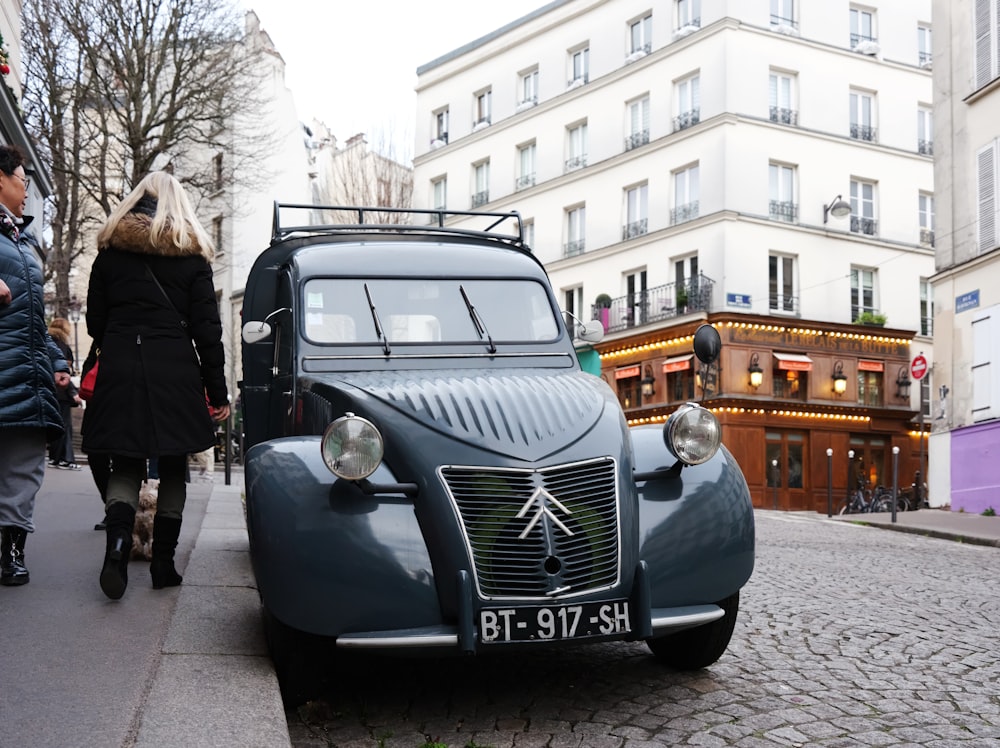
{"x":132,"y":235}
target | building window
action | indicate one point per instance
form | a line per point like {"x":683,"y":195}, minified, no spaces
{"x":863,"y":208}
{"x":926,"y":307}
{"x":629,"y":393}
{"x":786,"y":450}
{"x":576,"y":147}
{"x":526,"y":166}
{"x":638,"y":123}
{"x":686,"y":282}
{"x":640,"y":40}
{"x":483,"y":108}
{"x":576,"y":231}
{"x":862,"y":28}
{"x":573,"y":306}
{"x":636,"y":212}
{"x":688,"y":102}
{"x":923,"y":45}
{"x":789,"y":384}
{"x":870,"y":388}
{"x":439,"y":193}
{"x":862,"y":292}
{"x":528,"y":89}
{"x":688,"y":14}
{"x":440,"y":128}
{"x":637,"y":309}
{"x":782,"y":206}
{"x":925,"y":210}
{"x":863,"y":117}
{"x":217,"y":171}
{"x":480,"y":184}
{"x":217,"y":236}
{"x":783,"y":294}
{"x":925,"y":131}
{"x":686,"y":191}
{"x":781,"y":95}
{"x":680,"y":385}
{"x":986,"y":27}
{"x":579,"y":67}
{"x":783,"y":13}
{"x":528,"y":228}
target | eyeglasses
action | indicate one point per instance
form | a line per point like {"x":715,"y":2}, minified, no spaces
{"x":25,"y":180}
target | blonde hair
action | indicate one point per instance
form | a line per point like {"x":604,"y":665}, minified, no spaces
{"x":174,"y":216}
{"x":59,"y":328}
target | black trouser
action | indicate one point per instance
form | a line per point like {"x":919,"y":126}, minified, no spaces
{"x":127,"y":474}
{"x":61,"y":450}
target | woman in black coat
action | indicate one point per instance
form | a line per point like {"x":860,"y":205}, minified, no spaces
{"x":152,"y":313}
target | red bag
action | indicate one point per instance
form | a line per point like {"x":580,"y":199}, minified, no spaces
{"x":89,"y":382}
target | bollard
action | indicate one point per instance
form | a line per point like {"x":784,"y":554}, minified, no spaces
{"x":774,"y":466}
{"x":918,"y":491}
{"x":850,"y":459}
{"x":895,"y":481}
{"x":829,"y":482}
{"x":228,"y":436}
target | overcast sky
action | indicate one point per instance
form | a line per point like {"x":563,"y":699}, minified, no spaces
{"x":353,"y":64}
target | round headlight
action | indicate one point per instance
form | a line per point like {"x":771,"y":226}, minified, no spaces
{"x":692,"y":434}
{"x":352,"y":447}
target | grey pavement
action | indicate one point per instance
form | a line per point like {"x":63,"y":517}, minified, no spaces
{"x":936,"y":523}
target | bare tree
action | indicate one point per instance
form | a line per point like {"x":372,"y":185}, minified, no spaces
{"x":117,"y":88}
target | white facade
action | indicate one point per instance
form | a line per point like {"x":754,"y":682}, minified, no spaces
{"x":966,"y":408}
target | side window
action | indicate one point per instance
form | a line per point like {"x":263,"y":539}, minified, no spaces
{"x":284,"y":328}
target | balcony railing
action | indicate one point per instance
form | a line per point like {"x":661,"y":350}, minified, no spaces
{"x":926,"y":325}
{"x":924,"y":58}
{"x":578,"y":81}
{"x":781,"y":21}
{"x":525,"y":181}
{"x":779,"y":210}
{"x":857,"y":39}
{"x":482,"y":122}
{"x":784,"y":116}
{"x":440,"y":139}
{"x":861,"y":225}
{"x":576,"y":162}
{"x":480,"y":198}
{"x":864,"y":132}
{"x":925,"y":147}
{"x":688,"y":26}
{"x":636,"y":139}
{"x":927,"y":237}
{"x":783,"y":304}
{"x":683,"y":213}
{"x":634,"y":229}
{"x":575,"y":247}
{"x":687,"y":119}
{"x":642,"y":49}
{"x":657,"y":304}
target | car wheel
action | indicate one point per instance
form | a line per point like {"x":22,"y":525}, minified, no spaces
{"x":299,"y":660}
{"x":701,"y":646}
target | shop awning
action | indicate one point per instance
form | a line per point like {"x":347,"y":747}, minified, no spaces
{"x":677,"y":363}
{"x":628,"y":371}
{"x":870,"y":365}
{"x":794,"y":362}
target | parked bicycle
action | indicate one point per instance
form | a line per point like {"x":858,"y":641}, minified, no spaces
{"x":878,"y":499}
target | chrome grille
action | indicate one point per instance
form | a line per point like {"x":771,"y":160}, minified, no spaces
{"x":535,"y":533}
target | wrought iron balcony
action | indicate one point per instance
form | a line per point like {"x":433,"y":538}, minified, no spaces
{"x":525,"y":181}
{"x":482,"y":122}
{"x":864,"y":132}
{"x":694,"y":23}
{"x":687,"y":119}
{"x":575,"y":247}
{"x":576,"y":162}
{"x":578,"y":80}
{"x":925,"y":147}
{"x":927,"y":237}
{"x":779,"y":210}
{"x":861,"y":225}
{"x":783,"y":304}
{"x":634,"y":229}
{"x":781,"y":21}
{"x":924,"y":58}
{"x":636,"y":139}
{"x":441,"y":137}
{"x":784,"y":116}
{"x":857,"y":39}
{"x":657,"y":304}
{"x":480,"y":198}
{"x":683,"y":213}
{"x":643,"y":48}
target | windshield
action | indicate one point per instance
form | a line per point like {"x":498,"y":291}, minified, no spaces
{"x":416,"y":310}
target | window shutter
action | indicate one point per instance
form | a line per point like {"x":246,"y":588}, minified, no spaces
{"x":983,"y":43}
{"x":984,"y":391}
{"x":986,"y":197}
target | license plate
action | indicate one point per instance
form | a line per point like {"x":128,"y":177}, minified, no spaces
{"x":554,"y":622}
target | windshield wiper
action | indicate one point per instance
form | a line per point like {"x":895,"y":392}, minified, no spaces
{"x":478,"y":321}
{"x":378,"y":325}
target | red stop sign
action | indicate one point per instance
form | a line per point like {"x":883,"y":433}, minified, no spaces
{"x":918,"y":367}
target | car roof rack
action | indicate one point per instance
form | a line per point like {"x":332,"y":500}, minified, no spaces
{"x":496,"y":226}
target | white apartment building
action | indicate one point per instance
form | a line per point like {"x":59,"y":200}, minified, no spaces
{"x":966,"y":408}
{"x":694,"y":161}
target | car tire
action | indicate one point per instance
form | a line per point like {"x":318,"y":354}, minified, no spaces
{"x":701,"y":646}
{"x":299,"y":660}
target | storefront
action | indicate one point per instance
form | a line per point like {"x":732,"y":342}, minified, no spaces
{"x":785,"y":395}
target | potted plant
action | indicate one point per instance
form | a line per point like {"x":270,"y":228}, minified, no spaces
{"x":682,"y":299}
{"x":873,"y":319}
{"x":603,"y":306}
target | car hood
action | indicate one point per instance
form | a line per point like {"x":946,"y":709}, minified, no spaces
{"x":524,"y":414}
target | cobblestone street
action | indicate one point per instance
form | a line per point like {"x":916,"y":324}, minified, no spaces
{"x":847,"y":636}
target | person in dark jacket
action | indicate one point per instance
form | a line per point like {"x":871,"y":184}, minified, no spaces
{"x":61,"y":453}
{"x":31,"y":367}
{"x":153,"y":315}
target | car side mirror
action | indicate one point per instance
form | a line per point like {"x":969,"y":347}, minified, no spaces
{"x":254,"y":332}
{"x":592,"y":332}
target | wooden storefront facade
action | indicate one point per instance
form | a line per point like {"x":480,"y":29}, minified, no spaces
{"x":780,"y":429}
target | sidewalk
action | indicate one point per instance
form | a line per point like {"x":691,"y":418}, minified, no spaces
{"x":215,"y":685}
{"x":936,"y":523}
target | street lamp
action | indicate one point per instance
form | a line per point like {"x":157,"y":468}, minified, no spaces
{"x":837,"y":208}
{"x":756,"y":373}
{"x":74,"y":317}
{"x":839,"y":378}
{"x":648,"y":383}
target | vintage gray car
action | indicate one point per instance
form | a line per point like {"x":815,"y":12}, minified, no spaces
{"x":429,"y":470}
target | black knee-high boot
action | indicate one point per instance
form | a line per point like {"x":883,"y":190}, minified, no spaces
{"x":114,"y":574}
{"x":13,"y":572}
{"x":166,"y":530}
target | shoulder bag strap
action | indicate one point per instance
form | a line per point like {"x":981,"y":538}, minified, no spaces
{"x":152,"y":275}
